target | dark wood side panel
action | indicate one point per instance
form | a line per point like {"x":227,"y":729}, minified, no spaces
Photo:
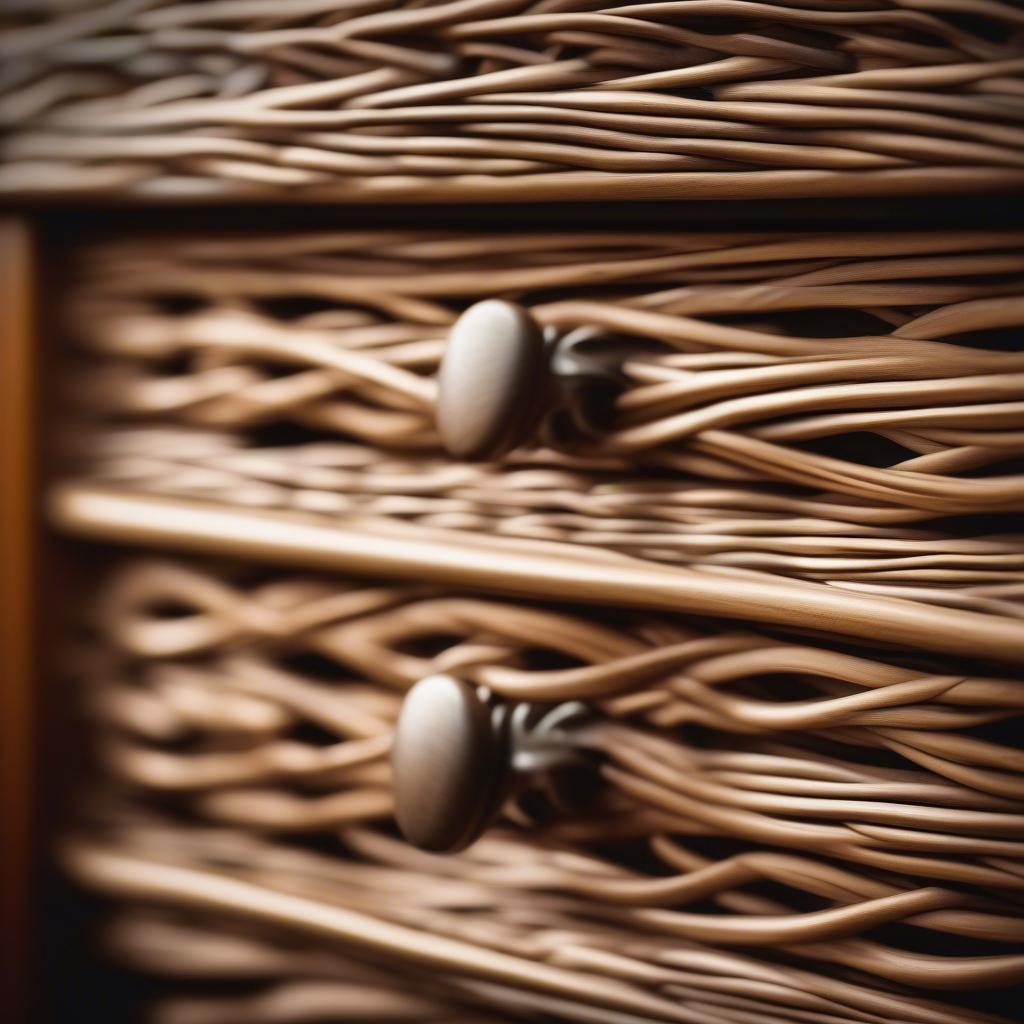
{"x":17,"y":601}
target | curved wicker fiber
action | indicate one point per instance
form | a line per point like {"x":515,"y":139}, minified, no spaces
{"x":843,"y":409}
{"x":512,"y":100}
{"x":826,"y":833}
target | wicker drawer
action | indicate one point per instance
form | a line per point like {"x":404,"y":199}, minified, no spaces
{"x":478,"y":100}
{"x":780,"y":825}
{"x":832,"y":416}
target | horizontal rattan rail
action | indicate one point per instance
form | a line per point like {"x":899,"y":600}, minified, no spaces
{"x":533,"y":568}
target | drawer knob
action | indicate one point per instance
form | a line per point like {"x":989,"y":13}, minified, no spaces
{"x":504,"y":382}
{"x":491,"y":377}
{"x":459,"y":755}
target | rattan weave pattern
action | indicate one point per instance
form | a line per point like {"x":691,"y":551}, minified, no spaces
{"x":794,"y":826}
{"x":803,"y":808}
{"x":511,"y":100}
{"x":692,"y":523}
{"x":839,"y":408}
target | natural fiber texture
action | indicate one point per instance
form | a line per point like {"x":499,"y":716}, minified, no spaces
{"x":837,"y":408}
{"x":512,"y":100}
{"x":814,"y":833}
{"x":793,"y":826}
{"x":699,"y":524}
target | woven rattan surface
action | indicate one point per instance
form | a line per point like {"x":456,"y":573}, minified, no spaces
{"x":796,"y":822}
{"x":800,"y":831}
{"x":842,"y":409}
{"x":470,"y":100}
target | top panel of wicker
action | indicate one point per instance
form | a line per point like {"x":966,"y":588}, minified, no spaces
{"x":511,"y":100}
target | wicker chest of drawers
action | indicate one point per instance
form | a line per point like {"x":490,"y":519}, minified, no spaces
{"x":595,"y":611}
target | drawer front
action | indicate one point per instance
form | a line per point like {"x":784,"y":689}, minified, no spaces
{"x":832,"y":416}
{"x":771,"y":824}
{"x":738,"y":655}
{"x":482,"y":100}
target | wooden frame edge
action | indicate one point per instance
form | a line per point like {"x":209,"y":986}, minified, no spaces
{"x":18,"y":535}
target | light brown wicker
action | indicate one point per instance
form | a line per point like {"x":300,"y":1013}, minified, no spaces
{"x":789,"y":577}
{"x":841,"y":409}
{"x":511,"y":100}
{"x":862,"y":789}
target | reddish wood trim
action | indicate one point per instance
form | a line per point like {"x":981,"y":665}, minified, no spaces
{"x":17,"y":600}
